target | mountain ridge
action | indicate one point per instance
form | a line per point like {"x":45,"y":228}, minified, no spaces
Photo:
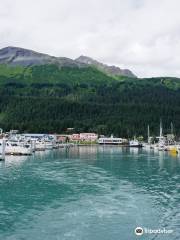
{"x":15,"y":56}
{"x":110,"y":70}
{"x":25,"y":57}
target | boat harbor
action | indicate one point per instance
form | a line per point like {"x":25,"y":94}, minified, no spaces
{"x":15,"y":143}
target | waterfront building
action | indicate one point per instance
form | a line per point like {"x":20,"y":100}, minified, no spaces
{"x":88,"y":136}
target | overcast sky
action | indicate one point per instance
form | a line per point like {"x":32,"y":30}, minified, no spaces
{"x":142,"y":35}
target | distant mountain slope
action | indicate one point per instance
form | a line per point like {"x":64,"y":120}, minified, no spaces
{"x":111,"y":70}
{"x":19,"y":56}
{"x":25,"y":57}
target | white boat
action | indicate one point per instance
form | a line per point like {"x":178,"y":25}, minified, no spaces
{"x":2,"y":149}
{"x":135,"y":143}
{"x":33,"y":145}
{"x":48,"y":145}
{"x":161,"y":146}
{"x":17,"y":148}
{"x":112,"y":141}
{"x":40,"y":145}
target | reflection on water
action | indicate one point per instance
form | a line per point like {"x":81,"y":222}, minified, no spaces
{"x":15,"y":160}
{"x":90,"y":193}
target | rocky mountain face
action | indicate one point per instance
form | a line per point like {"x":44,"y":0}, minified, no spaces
{"x":24,"y":57}
{"x":111,"y":70}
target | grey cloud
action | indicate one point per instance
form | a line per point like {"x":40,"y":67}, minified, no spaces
{"x":142,"y":35}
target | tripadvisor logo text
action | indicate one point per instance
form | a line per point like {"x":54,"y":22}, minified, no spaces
{"x":139,"y":231}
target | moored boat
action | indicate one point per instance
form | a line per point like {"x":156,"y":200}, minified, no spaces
{"x":17,"y":148}
{"x":2,"y":149}
{"x":48,"y":145}
{"x":40,"y":146}
{"x":135,"y":143}
{"x":112,"y":141}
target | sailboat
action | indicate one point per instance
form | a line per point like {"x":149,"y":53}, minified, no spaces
{"x":160,"y":146}
{"x":148,"y":145}
{"x":161,"y":142}
{"x":172,"y":147}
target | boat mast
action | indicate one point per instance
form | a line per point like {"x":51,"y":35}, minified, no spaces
{"x":148,"y":135}
{"x":160,"y":134}
{"x":172,"y":128}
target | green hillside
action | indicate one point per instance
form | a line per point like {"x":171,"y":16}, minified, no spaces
{"x":49,"y":99}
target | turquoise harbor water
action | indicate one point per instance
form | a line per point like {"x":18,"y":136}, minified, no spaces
{"x":89,"y":193}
